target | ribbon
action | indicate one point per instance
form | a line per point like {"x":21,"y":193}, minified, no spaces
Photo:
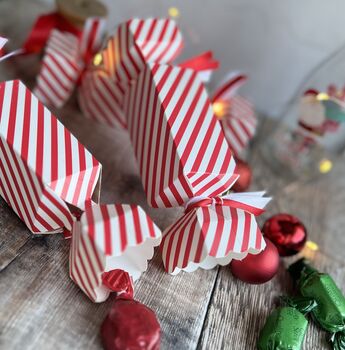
{"x":251,"y":202}
{"x":44,"y":25}
{"x":66,"y":57}
{"x":204,"y":64}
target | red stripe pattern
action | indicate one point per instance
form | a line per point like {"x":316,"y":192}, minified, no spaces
{"x":65,"y":58}
{"x":239,"y":124}
{"x":135,"y":42}
{"x":107,"y":238}
{"x":237,"y":117}
{"x":179,"y":145}
{"x":180,"y":148}
{"x":215,"y":233}
{"x":42,"y":166}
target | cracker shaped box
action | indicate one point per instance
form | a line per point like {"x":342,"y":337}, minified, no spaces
{"x":179,"y":145}
{"x":182,"y":155}
{"x":184,"y":159}
{"x":235,"y":113}
{"x":44,"y":170}
{"x":104,"y":83}
{"x":108,"y":239}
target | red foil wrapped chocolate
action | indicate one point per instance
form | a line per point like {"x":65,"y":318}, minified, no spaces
{"x":286,"y":232}
{"x":130,"y":325}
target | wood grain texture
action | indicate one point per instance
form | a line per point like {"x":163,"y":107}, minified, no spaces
{"x":41,"y":308}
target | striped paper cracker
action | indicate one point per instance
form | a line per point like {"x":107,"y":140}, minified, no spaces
{"x":43,"y":167}
{"x":237,"y":118}
{"x":65,"y":58}
{"x":103,"y":86}
{"x":107,"y":238}
{"x":139,"y":41}
{"x":101,"y":97}
{"x":214,"y":235}
{"x":179,"y":145}
{"x":239,"y":124}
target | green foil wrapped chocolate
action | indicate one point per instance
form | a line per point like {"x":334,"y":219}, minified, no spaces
{"x":330,"y":310}
{"x":284,"y":329}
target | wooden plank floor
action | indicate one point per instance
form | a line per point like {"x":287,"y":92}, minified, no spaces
{"x":40,"y":308}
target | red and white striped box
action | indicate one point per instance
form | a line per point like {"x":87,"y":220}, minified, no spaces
{"x":65,"y":59}
{"x":43,"y":168}
{"x":104,"y":84}
{"x":214,"y":231}
{"x":235,"y":113}
{"x":138,"y":42}
{"x":183,"y":157}
{"x":110,"y":238}
{"x":179,"y":145}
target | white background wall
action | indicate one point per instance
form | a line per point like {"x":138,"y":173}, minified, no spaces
{"x":276,"y":42}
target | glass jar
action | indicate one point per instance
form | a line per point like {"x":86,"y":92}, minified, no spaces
{"x":311,"y":133}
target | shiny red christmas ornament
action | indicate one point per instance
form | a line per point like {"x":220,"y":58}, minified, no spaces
{"x":130,"y":325}
{"x":257,"y":268}
{"x":243,"y":169}
{"x":286,"y":232}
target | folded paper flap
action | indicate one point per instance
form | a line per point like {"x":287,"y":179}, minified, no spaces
{"x":159,"y":40}
{"x":101,"y":97}
{"x":251,"y":199}
{"x":182,"y":138}
{"x":204,"y":61}
{"x":230,"y":86}
{"x":49,"y":150}
{"x":243,"y":110}
{"x":92,"y":38}
{"x":63,"y":44}
{"x":115,"y":228}
{"x":3,"y":42}
{"x":107,"y":238}
{"x":34,"y":202}
{"x":239,"y":122}
{"x":4,"y":56}
{"x":65,"y":58}
{"x":209,"y":236}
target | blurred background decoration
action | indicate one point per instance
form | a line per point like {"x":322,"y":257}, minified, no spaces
{"x":277,"y":44}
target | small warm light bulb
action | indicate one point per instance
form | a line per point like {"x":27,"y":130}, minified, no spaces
{"x":174,"y":12}
{"x":97,"y":60}
{"x":219,"y":109}
{"x":322,"y":96}
{"x":325,"y":166}
{"x":312,"y":246}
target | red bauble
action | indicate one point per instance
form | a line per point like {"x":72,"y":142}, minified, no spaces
{"x":130,"y":325}
{"x":243,"y":169}
{"x":257,"y":268}
{"x":286,"y":232}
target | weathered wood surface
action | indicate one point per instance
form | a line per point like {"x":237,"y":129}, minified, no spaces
{"x":40,"y":307}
